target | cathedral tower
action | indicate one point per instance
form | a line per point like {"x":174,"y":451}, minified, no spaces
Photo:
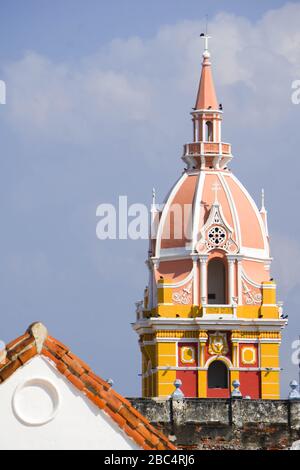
{"x":210,"y":314}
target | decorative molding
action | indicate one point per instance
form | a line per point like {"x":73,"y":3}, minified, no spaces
{"x":248,"y":351}
{"x":218,"y":343}
{"x":251,"y":298}
{"x":184,"y":296}
{"x":216,"y":233}
{"x":187,"y":354}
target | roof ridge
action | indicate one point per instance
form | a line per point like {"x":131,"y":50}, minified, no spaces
{"x":37,"y":341}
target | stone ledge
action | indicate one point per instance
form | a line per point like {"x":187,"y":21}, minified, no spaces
{"x":205,"y":423}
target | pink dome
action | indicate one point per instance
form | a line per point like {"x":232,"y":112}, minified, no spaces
{"x":189,"y":204}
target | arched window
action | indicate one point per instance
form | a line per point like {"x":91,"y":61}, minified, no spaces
{"x":216,"y":282}
{"x":217,"y":375}
{"x":209,"y":131}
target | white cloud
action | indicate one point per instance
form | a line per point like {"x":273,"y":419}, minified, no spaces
{"x":147,"y":80}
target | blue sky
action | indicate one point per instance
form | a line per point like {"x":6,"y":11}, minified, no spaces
{"x":69,"y":28}
{"x":98,"y":102}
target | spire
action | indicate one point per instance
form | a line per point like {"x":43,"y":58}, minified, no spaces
{"x":263,"y":211}
{"x":206,"y":98}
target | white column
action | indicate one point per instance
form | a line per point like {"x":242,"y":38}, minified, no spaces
{"x":203,"y":278}
{"x":231,"y":264}
{"x":197,"y":138}
{"x":196,"y":281}
{"x":239,"y":282}
{"x":155,"y":264}
{"x":203,"y":130}
{"x":214,"y":139}
{"x":150,"y":285}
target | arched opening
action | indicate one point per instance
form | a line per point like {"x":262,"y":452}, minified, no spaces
{"x":209,"y":131}
{"x":217,"y":375}
{"x":216,"y":282}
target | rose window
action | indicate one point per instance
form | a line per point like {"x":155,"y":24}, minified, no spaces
{"x":216,"y":236}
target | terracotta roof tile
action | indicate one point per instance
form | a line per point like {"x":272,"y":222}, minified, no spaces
{"x":76,"y":381}
{"x":37,"y":341}
{"x":27,"y":354}
{"x":16,"y":341}
{"x":95,"y":399}
{"x":7,"y":370}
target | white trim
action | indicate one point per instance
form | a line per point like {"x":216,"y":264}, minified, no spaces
{"x":252,"y":253}
{"x":234,"y":213}
{"x":194,"y":324}
{"x":239,"y":281}
{"x":165,"y":212}
{"x":255,"y":208}
{"x":207,"y":111}
{"x":231,"y":278}
{"x":216,"y":357}
{"x":198,"y":340}
{"x":181,"y":283}
{"x":197,"y":208}
{"x":167,"y":254}
{"x":255,"y":258}
{"x":195,"y":281}
{"x":239,"y":368}
{"x":250,"y":281}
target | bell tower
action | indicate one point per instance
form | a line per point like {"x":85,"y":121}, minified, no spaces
{"x":210,"y":314}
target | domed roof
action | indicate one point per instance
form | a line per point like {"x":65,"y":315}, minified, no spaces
{"x":202,"y":200}
{"x":208,"y":208}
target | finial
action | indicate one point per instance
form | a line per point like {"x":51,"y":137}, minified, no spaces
{"x":3,"y":352}
{"x":294,"y":393}
{"x":216,"y":187}
{"x":206,"y":53}
{"x":262,"y":199}
{"x":153,"y":196}
{"x":177,"y":394}
{"x":40,"y":333}
{"x":110,"y":382}
{"x":236,"y":392}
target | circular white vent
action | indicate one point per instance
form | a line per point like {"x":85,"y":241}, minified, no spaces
{"x":36,"y":402}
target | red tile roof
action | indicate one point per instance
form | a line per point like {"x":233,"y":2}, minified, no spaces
{"x":36,"y":341}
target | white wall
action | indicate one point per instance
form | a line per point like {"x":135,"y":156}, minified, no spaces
{"x":40,"y":409}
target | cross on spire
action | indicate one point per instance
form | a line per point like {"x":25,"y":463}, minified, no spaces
{"x":215,"y":188}
{"x":206,"y":39}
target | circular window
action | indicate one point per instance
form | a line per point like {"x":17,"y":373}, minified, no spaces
{"x":36,"y":402}
{"x":217,"y":236}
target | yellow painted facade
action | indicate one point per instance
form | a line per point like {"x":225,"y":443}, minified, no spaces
{"x":160,"y":360}
{"x":202,"y":384}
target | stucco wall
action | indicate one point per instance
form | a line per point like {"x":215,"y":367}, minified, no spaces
{"x":39,"y":409}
